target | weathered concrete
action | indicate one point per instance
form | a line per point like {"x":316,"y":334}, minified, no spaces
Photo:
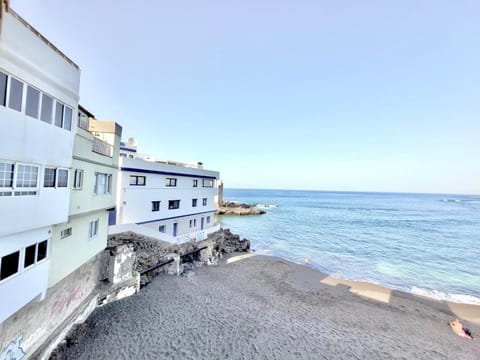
{"x":36,"y":329}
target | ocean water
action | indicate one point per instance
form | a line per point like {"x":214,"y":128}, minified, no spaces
{"x":420,"y":243}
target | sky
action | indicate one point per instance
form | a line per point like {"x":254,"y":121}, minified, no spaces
{"x":285,"y":94}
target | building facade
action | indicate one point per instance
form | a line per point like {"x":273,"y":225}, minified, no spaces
{"x":93,"y":190}
{"x":39,"y":92}
{"x":177,"y":201}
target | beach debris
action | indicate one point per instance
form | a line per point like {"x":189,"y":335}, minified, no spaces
{"x":457,"y":328}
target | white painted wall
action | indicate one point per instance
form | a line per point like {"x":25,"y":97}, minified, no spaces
{"x":134,"y":203}
{"x":21,"y":288}
{"x":24,"y":55}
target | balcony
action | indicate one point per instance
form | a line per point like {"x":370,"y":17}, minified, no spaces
{"x":102,"y":147}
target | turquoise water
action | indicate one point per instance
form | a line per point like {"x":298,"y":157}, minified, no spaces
{"x":421,"y":243}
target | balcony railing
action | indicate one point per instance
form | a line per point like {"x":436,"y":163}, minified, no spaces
{"x":102,"y":147}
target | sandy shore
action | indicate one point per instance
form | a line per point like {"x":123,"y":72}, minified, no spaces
{"x":267,"y":308}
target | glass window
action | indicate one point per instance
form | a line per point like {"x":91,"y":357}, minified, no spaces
{"x":204,"y":201}
{"x":208,"y":219}
{"x":49,"y":177}
{"x":102,"y":183}
{"x":9,"y":265}
{"x":65,"y":233}
{"x":194,"y":202}
{"x":47,"y":107}
{"x":30,"y":255}
{"x":62,"y":177}
{"x":93,"y":228}
{"x":67,"y":124}
{"x":195,"y":183}
{"x":42,"y":250}
{"x":155,"y":205}
{"x":161,"y":228}
{"x":207,"y":182}
{"x":173,"y":204}
{"x":3,"y":88}
{"x":171,"y":182}
{"x":58,"y":114}
{"x":137,"y":180}
{"x":33,"y":100}
{"x":27,"y":176}
{"x":78,"y":181}
{"x":16,"y":94}
{"x":6,"y":175}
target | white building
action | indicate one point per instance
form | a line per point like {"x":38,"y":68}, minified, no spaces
{"x":175,"y":201}
{"x":39,"y":92}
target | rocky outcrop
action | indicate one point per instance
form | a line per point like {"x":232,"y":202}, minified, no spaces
{"x":150,"y":252}
{"x":235,"y":208}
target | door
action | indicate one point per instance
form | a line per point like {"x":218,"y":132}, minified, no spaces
{"x":201,"y":222}
{"x":175,"y":225}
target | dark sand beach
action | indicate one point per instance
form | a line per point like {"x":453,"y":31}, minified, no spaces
{"x":258,"y":307}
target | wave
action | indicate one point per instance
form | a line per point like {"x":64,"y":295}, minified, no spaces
{"x":440,"y":295}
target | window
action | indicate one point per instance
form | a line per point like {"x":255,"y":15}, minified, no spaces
{"x":58,"y":114}
{"x":208,"y":219}
{"x":92,"y":229}
{"x":195,"y":182}
{"x":16,"y":94}
{"x":62,"y":177}
{"x":161,"y":228}
{"x":9,"y":265}
{"x":78,"y":179}
{"x":47,"y":109}
{"x":33,"y":101}
{"x":171,"y":182}
{"x":42,"y":250}
{"x":137,"y":180}
{"x":66,"y":233}
{"x":30,"y":252}
{"x":27,"y":176}
{"x":194,"y":222}
{"x":6,"y":175}
{"x":102,"y":183}
{"x":49,"y":178}
{"x":155,"y":205}
{"x":3,"y":88}
{"x":67,"y":121}
{"x":204,"y":201}
{"x":191,"y":223}
{"x":194,"y":202}
{"x":173,"y":204}
{"x":207,"y":182}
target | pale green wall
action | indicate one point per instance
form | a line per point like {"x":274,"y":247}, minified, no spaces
{"x":70,"y":253}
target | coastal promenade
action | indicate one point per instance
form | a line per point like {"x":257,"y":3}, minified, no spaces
{"x":259,"y":307}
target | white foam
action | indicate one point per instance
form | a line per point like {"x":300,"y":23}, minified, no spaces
{"x":440,"y":295}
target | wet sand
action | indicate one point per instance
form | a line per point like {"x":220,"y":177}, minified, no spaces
{"x":259,"y":307}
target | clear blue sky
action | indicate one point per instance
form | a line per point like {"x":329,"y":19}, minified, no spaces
{"x":293,"y":94}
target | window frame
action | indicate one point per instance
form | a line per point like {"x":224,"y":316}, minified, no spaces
{"x":9,"y":94}
{"x":195,"y":183}
{"x":93,"y":226}
{"x":156,"y":205}
{"x":78,"y":179}
{"x":137,"y":178}
{"x":28,"y":96}
{"x":207,"y":183}
{"x":204,"y":201}
{"x":108,"y":184}
{"x":170,"y":182}
{"x":194,"y":202}
{"x":173,"y":204}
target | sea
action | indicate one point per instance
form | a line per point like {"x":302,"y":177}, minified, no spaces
{"x":425,"y":244}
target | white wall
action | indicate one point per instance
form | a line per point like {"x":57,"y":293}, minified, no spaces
{"x":134,"y":203}
{"x":19,"y":289}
